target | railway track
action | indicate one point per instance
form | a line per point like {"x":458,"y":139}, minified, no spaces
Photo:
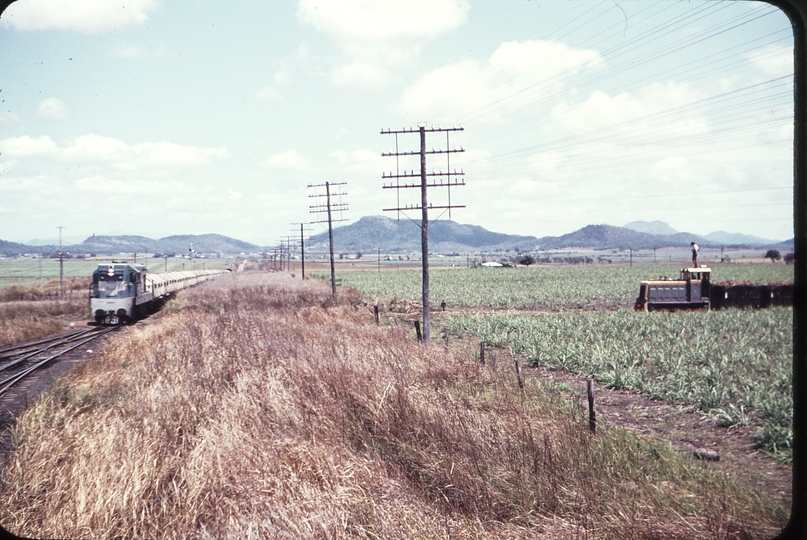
{"x":17,"y":363}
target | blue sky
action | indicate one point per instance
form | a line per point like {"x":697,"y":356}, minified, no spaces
{"x":158,"y":118}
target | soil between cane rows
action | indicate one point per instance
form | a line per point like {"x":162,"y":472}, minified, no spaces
{"x":684,"y":430}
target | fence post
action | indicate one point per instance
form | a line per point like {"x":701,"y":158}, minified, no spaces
{"x":482,"y":352}
{"x":518,"y":374}
{"x":417,"y":331}
{"x":375,"y":313}
{"x":592,"y":416}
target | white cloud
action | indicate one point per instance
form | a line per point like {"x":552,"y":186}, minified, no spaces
{"x":87,"y":16}
{"x":235,"y":195}
{"x":362,"y":161}
{"x":128,"y":50}
{"x":289,"y":159}
{"x":274,"y":91}
{"x":25,"y":146}
{"x":773,"y":60}
{"x":97,"y":149}
{"x":53,"y":110}
{"x":166,"y":154}
{"x":376,"y":36}
{"x":470,"y":86}
{"x":626,"y":118}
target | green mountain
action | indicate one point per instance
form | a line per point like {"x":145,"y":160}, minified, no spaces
{"x":373,"y":232}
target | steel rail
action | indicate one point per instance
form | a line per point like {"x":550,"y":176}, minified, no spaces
{"x":65,"y":339}
{"x":14,"y":379}
{"x":41,"y":341}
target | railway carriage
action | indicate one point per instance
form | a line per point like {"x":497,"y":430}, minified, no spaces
{"x":121,"y":292}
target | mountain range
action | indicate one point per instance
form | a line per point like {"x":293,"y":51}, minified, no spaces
{"x":113,"y":245}
{"x":373,"y":232}
{"x":720,"y":237}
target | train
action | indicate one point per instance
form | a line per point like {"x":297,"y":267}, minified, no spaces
{"x":122,"y":292}
{"x":692,"y":290}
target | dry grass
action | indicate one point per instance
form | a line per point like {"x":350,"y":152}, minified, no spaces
{"x":28,"y":313}
{"x":258,"y":409}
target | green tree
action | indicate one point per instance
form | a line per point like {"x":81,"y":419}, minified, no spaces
{"x":773,"y":255}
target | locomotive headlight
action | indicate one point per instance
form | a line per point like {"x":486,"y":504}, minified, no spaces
{"x":110,"y":271}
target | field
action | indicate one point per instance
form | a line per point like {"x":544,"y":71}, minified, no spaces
{"x":587,"y":287}
{"x":734,"y":365}
{"x":257,"y":406}
{"x":31,"y":312}
{"x":29,"y":272}
{"x":30,"y":306}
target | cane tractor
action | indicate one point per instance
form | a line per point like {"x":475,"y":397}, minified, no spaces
{"x":691,"y":291}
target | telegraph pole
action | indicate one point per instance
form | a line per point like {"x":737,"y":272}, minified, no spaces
{"x":424,"y":206}
{"x":61,"y":262}
{"x":302,"y":246}
{"x":288,"y":252}
{"x":330,"y":207}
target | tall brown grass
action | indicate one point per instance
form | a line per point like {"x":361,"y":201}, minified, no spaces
{"x":257,"y":409}
{"x":31,"y":312}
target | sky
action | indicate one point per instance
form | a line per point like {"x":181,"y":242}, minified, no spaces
{"x":158,"y":118}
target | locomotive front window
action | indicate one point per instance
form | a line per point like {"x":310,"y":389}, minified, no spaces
{"x":117,"y":275}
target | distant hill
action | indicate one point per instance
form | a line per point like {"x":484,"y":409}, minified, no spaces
{"x":205,"y":243}
{"x":8,"y":248}
{"x":723,"y":237}
{"x":786,"y":245}
{"x":650,"y":227}
{"x":392,"y":236}
{"x":372,"y":232}
{"x":611,"y":237}
{"x":179,"y":244}
{"x":113,"y":245}
{"x":720,"y":237}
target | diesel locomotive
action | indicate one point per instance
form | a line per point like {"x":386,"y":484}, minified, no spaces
{"x":121,"y":292}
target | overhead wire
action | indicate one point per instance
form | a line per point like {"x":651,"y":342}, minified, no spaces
{"x":732,"y":116}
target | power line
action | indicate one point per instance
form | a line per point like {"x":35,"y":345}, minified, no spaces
{"x":446,"y":180}
{"x":329,"y":207}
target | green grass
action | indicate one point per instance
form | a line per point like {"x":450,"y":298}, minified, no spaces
{"x":26,"y":271}
{"x":732,"y":364}
{"x":554,"y":287}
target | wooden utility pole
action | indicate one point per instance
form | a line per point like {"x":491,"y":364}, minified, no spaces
{"x":329,"y":207}
{"x":302,"y":246}
{"x":424,"y":206}
{"x":288,"y":253}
